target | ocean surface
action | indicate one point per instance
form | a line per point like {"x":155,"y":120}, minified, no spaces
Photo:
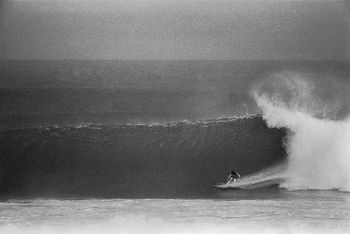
{"x":231,"y":212}
{"x":139,"y":146}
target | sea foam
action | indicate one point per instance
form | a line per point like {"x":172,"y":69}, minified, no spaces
{"x":141,"y":225}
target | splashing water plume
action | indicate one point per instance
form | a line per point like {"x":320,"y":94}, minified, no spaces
{"x":318,"y":146}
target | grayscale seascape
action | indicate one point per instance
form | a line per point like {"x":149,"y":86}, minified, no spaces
{"x":138,"y":135}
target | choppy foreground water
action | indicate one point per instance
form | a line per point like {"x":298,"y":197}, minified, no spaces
{"x":271,"y":211}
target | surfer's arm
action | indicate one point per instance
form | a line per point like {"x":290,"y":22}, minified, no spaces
{"x":239,"y":176}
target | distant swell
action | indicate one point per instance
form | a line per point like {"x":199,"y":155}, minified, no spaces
{"x":176,"y":159}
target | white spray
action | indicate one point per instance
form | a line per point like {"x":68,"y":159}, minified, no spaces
{"x":318,"y":148}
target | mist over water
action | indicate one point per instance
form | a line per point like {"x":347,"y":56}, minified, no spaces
{"x":318,"y":142}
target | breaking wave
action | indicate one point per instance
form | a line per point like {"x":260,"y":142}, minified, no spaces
{"x":302,"y":129}
{"x":318,"y":142}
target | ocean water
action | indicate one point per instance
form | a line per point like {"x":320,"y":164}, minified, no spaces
{"x":141,"y":149}
{"x":260,"y":211}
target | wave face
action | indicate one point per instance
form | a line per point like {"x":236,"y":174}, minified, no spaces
{"x":176,"y":159}
{"x":318,"y":142}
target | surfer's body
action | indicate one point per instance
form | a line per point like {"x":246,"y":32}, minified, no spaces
{"x":233,"y":177}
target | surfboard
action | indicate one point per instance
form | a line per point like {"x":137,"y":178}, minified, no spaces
{"x":227,"y":185}
{"x":250,"y":184}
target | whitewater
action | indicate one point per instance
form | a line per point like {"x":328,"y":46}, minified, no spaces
{"x":318,"y":148}
{"x":265,"y":212}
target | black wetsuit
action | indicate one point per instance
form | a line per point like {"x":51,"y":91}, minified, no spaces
{"x":234,"y":175}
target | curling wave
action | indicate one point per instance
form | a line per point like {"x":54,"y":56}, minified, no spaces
{"x":177,"y":159}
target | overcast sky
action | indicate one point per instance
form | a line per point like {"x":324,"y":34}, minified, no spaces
{"x":174,"y":29}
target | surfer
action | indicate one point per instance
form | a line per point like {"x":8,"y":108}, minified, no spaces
{"x":233,"y":177}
